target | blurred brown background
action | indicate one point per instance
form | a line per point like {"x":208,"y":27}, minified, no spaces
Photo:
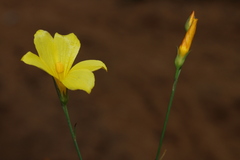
{"x":122,"y":118}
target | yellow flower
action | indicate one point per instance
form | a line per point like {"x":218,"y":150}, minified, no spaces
{"x":56,"y":57}
{"x":184,"y":48}
{"x":187,"y":41}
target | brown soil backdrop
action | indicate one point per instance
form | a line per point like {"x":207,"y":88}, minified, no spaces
{"x":122,"y":118}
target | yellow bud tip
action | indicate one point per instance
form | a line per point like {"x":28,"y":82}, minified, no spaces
{"x":190,"y":21}
{"x":187,"y":41}
{"x":192,"y":16}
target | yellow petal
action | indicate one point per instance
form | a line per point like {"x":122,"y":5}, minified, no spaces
{"x":67,"y":49}
{"x":187,"y":41}
{"x":189,"y":21}
{"x":81,"y":79}
{"x":47,"y":52}
{"x":91,"y":65}
{"x":62,"y":89}
{"x":33,"y":59}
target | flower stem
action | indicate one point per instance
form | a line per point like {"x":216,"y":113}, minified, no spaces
{"x":64,"y":106}
{"x":178,"y":70}
{"x":63,"y":97}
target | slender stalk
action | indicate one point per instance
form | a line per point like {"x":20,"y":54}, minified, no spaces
{"x":64,"y":106}
{"x":178,"y":70}
{"x":64,"y":99}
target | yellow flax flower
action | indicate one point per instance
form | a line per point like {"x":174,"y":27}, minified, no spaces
{"x":187,"y":41}
{"x":56,"y":57}
{"x":184,"y":48}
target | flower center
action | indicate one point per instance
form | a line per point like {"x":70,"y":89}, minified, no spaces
{"x":59,"y":67}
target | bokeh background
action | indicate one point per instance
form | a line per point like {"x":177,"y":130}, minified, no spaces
{"x":122,"y":118}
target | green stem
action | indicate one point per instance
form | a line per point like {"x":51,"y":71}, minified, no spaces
{"x":64,"y":100}
{"x":64,"y":106}
{"x":178,"y":70}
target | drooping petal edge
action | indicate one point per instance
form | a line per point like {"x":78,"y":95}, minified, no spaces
{"x":91,"y":65}
{"x":34,"y":60}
